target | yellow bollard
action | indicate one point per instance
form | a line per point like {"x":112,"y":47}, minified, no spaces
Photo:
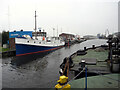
{"x":62,"y":83}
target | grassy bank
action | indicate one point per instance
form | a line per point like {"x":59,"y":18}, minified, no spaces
{"x":7,"y":52}
{"x":4,"y":49}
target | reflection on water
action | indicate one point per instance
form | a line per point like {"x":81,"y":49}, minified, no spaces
{"x":20,"y":60}
{"x":42,"y":72}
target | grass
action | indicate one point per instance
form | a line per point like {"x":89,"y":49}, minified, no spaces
{"x":4,"y":49}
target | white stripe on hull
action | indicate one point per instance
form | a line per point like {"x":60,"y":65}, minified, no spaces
{"x":38,"y":42}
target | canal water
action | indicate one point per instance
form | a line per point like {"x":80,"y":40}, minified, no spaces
{"x":43,"y":72}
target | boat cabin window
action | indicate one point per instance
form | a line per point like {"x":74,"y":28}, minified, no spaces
{"x":39,"y":42}
{"x":28,"y":41}
{"x":34,"y":42}
{"x":48,"y":40}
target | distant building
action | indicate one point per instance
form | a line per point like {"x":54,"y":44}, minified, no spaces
{"x":66,"y":36}
{"x":89,"y":37}
{"x":101,"y":36}
{"x":98,"y":35}
{"x":5,"y":46}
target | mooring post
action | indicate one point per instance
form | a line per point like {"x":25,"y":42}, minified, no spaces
{"x":85,"y":48}
{"x":93,"y":46}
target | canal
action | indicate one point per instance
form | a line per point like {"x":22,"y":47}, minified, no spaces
{"x":43,"y":72}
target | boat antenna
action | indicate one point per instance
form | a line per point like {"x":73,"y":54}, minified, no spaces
{"x":35,"y":26}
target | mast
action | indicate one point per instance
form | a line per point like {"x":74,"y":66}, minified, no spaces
{"x":57,"y":31}
{"x":53,"y":32}
{"x":8,"y":18}
{"x":35,"y":26}
{"x":61,"y":30}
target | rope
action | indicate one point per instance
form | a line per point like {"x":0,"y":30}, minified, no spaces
{"x":67,"y":69}
{"x":66,"y":65}
{"x":76,"y":75}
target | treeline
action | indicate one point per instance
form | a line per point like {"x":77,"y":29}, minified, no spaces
{"x":1,"y":38}
{"x":4,"y":37}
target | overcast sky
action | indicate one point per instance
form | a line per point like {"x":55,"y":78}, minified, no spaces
{"x":81,"y":17}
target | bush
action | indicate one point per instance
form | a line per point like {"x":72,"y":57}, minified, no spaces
{"x":5,"y":37}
